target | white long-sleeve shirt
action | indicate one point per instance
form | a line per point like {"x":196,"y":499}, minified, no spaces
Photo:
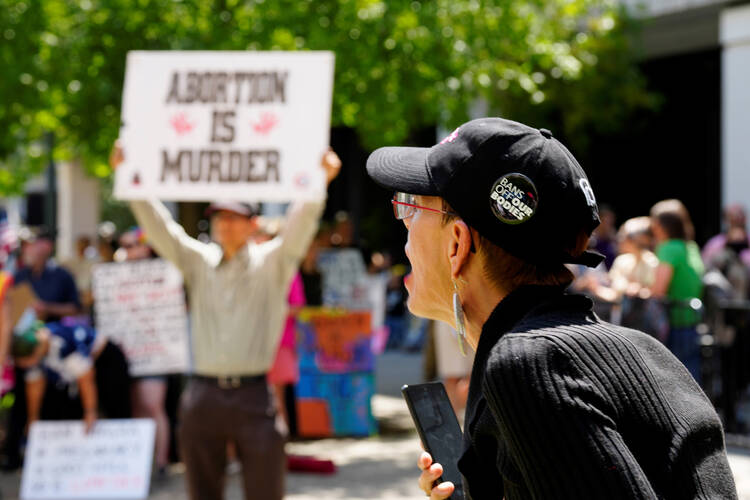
{"x":237,"y":306}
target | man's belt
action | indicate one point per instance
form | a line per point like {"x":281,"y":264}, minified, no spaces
{"x":231,"y":381}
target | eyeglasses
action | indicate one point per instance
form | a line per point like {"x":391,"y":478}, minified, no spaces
{"x":405,"y":205}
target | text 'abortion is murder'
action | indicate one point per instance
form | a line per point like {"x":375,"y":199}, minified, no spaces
{"x":213,"y":165}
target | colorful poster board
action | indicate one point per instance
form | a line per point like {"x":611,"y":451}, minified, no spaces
{"x":335,"y":405}
{"x":242,"y":125}
{"x":112,"y":461}
{"x":141,"y":306}
{"x":336,"y":373}
{"x":334,"y":341}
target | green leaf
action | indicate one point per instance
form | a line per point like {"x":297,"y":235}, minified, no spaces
{"x":401,"y":65}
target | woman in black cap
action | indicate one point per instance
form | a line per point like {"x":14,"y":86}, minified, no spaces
{"x":561,"y":404}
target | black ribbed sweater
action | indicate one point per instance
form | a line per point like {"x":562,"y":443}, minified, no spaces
{"x":565,"y":406}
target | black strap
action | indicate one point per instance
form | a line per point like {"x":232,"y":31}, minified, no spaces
{"x":231,"y":381}
{"x":589,"y":258}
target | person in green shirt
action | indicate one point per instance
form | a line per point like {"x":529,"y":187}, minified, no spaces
{"x":679,"y":279}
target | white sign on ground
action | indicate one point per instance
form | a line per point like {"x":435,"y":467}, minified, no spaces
{"x":225,"y":125}
{"x":112,"y":461}
{"x":141,"y":306}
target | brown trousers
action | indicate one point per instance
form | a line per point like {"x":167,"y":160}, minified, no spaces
{"x":211,"y":417}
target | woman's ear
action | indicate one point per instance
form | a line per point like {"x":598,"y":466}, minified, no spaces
{"x":459,"y":247}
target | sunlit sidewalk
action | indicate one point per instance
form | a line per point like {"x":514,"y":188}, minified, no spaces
{"x":380,"y":467}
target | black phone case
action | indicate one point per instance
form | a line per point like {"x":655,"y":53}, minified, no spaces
{"x":438,"y":429}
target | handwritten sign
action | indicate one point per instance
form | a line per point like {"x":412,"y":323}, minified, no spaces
{"x":112,"y":461}
{"x":141,"y":306}
{"x":344,"y":279}
{"x":225,"y":125}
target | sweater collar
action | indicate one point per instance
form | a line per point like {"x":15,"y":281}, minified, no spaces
{"x":511,"y":310}
{"x":242,"y":255}
{"x":503,"y":318}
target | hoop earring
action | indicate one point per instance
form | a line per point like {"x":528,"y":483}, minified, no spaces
{"x":458,"y":315}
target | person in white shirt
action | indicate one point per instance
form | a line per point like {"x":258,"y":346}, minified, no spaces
{"x":634,"y":270}
{"x":237,"y":292}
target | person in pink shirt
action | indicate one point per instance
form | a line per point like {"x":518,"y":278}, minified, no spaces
{"x":285,"y":368}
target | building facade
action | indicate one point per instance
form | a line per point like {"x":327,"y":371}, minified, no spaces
{"x":696,"y":55}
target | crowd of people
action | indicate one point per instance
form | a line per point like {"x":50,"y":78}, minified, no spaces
{"x":257,"y":275}
{"x":63,"y":369}
{"x":560,"y":403}
{"x":60,"y":367}
{"x":661,"y":282}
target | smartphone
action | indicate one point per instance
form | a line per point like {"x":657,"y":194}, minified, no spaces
{"x":438,"y":429}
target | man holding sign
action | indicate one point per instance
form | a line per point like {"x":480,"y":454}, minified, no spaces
{"x":229,"y":126}
{"x":237,"y":294}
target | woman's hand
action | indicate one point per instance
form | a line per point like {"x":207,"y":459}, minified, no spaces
{"x":430,"y":473}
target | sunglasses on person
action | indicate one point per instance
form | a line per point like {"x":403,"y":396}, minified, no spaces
{"x":405,"y":205}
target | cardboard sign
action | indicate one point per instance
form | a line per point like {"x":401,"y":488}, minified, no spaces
{"x":334,"y":341}
{"x":21,"y":297}
{"x":113,"y":461}
{"x":336,"y":373}
{"x":344,"y":279}
{"x":141,"y":306}
{"x":335,"y":404}
{"x":225,"y":125}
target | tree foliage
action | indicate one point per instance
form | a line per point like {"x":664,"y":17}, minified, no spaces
{"x":400,"y":64}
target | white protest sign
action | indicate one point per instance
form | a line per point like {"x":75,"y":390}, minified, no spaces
{"x":246,"y":126}
{"x":141,"y":306}
{"x":345,"y":281}
{"x":112,"y":461}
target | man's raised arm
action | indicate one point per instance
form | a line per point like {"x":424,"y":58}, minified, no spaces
{"x":168,"y":238}
{"x":303,"y":217}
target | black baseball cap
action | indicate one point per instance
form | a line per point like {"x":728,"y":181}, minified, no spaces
{"x":518,"y":186}
{"x":244,"y":209}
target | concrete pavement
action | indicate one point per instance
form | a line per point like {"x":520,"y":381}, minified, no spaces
{"x":380,"y":467}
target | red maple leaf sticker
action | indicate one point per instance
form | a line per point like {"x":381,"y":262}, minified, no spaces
{"x":267,"y":122}
{"x":136,"y":179}
{"x":181,"y":124}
